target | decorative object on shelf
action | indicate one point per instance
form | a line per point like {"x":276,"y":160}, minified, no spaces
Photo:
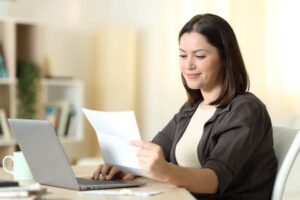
{"x":28,"y":84}
{"x":46,"y":69}
{"x":3,"y":69}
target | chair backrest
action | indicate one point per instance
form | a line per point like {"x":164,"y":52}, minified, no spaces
{"x":286,"y":146}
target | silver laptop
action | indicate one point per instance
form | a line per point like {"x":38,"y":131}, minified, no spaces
{"x":47,"y":160}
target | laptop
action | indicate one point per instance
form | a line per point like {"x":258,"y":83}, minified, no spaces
{"x":47,"y":159}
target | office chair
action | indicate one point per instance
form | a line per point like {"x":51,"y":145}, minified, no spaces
{"x":286,"y":146}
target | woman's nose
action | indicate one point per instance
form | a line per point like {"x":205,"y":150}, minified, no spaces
{"x":190,"y":64}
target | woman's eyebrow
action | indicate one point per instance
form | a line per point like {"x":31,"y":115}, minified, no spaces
{"x":195,"y":51}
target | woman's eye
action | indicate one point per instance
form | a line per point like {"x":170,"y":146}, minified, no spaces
{"x":182,"y":56}
{"x":200,"y":57}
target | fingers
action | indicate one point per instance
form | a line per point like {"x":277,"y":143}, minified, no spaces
{"x":113,"y":171}
{"x":107,"y":172}
{"x":147,"y":149}
{"x":150,"y":156}
{"x":97,"y":173}
{"x":129,"y":176}
{"x":143,"y":144}
{"x":102,"y":172}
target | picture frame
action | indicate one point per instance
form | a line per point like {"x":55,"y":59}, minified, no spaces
{"x":4,"y":128}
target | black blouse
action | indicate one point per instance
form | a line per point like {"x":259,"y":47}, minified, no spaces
{"x":237,"y":144}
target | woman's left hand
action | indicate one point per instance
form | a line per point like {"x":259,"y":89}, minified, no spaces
{"x":152,"y":160}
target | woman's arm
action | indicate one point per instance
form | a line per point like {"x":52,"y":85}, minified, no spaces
{"x":197,"y":180}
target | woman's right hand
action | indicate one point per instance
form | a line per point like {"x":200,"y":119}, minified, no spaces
{"x":108,"y":172}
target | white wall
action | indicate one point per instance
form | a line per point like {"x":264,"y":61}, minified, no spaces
{"x":72,"y":27}
{"x":262,"y":31}
{"x":270,"y":57}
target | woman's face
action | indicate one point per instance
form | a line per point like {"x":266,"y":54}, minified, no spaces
{"x":199,"y":61}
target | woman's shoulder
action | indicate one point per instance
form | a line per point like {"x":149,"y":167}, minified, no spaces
{"x":244,"y":103}
{"x":247,"y":99}
{"x":246,"y":106}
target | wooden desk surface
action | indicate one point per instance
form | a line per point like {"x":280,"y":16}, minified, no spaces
{"x":169,"y":191}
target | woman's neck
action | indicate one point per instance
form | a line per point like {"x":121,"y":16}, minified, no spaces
{"x":210,"y":95}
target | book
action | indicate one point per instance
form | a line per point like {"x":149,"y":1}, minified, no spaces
{"x":1,"y":131}
{"x":52,"y":113}
{"x":33,"y":191}
{"x":8,"y":183}
{"x":4,"y":128}
{"x":70,"y":122}
{"x":60,"y":115}
{"x":65,"y":109}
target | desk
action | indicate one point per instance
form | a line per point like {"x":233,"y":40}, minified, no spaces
{"x":169,"y":191}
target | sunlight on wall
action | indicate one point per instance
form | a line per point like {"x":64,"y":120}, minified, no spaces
{"x":194,"y":7}
{"x":115,"y":72}
{"x":282,"y":46}
{"x":289,"y":33}
{"x":282,"y":68}
{"x":4,"y":5}
{"x":268,"y":38}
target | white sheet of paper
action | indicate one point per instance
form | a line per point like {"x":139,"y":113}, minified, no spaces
{"x":129,"y":192}
{"x":114,"y":131}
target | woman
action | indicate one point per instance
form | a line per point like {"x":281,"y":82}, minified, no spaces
{"x":220,"y":144}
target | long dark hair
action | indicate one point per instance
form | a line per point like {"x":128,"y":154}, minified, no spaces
{"x":234,"y":75}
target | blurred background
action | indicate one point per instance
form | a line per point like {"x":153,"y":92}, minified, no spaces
{"x":125,"y":52}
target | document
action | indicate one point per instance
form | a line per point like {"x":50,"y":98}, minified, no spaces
{"x":128,"y":192}
{"x":114,"y":131}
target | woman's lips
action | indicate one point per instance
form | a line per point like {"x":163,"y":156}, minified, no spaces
{"x":192,"y":76}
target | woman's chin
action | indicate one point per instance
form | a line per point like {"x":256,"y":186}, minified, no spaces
{"x":194,"y":87}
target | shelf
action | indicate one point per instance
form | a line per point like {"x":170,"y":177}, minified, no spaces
{"x":5,"y":142}
{"x":60,"y":81}
{"x":24,"y":39}
{"x":18,"y":20}
{"x":7,"y":81}
{"x":61,"y":97}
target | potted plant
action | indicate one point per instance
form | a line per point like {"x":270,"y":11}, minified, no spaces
{"x":28,"y":83}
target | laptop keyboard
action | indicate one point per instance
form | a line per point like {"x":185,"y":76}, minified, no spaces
{"x":92,"y":184}
{"x":86,"y":181}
